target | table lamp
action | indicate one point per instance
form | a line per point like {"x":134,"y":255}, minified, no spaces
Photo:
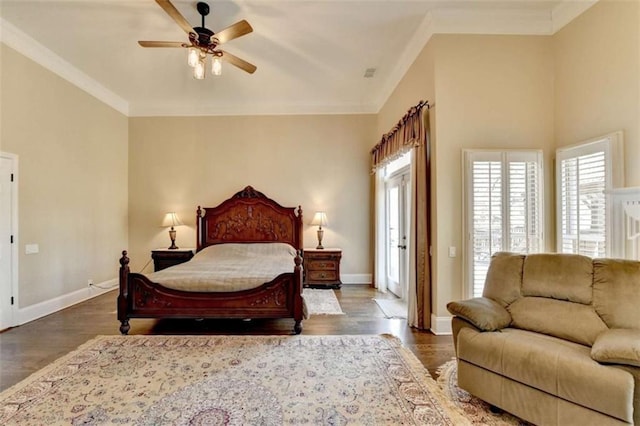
{"x":171,"y":219}
{"x":319,"y":219}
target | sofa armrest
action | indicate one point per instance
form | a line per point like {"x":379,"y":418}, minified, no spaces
{"x":482,"y":312}
{"x":617,"y":346}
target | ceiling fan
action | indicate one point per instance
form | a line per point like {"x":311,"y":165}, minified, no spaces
{"x":203,"y":41}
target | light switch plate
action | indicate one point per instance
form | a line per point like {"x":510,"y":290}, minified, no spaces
{"x":31,"y":249}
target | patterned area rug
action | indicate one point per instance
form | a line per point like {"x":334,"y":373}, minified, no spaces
{"x":475,"y":409}
{"x":320,"y":302}
{"x":234,"y":380}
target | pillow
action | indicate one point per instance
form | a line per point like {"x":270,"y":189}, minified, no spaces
{"x":246,"y":250}
{"x":484,"y":313}
{"x":617,"y":346}
{"x":566,"y":320}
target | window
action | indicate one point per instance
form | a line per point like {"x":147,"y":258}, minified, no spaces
{"x":503,"y":208}
{"x":584,"y":174}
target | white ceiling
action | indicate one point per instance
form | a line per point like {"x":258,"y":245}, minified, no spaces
{"x":311,"y":55}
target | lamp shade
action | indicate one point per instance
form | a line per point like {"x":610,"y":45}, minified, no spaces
{"x":171,"y":219}
{"x":319,"y":219}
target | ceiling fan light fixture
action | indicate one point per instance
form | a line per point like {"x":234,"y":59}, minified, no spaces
{"x":216,"y":66}
{"x":198,"y":70}
{"x":193,"y":56}
{"x":203,"y":41}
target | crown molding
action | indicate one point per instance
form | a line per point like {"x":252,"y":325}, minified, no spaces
{"x":495,"y":22}
{"x":567,"y":11}
{"x":27,"y":46}
{"x":172,"y":109}
{"x":500,"y":22}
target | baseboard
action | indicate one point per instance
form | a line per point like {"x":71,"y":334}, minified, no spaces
{"x":48,"y":307}
{"x":440,"y":325}
{"x":355,"y":278}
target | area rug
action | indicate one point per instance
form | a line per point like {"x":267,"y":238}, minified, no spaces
{"x":321,"y":302}
{"x":475,"y":409}
{"x":234,"y":380}
{"x":392,"y":308}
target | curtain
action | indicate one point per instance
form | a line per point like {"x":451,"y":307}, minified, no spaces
{"x":419,"y":301}
{"x":410,"y":134}
{"x":406,"y":134}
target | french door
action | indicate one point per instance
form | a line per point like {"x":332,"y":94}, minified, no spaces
{"x":398,"y":197}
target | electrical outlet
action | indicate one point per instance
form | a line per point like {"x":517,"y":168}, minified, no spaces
{"x":90,"y":282}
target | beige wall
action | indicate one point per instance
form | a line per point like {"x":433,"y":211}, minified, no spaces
{"x":319,"y":162}
{"x":72,"y":152}
{"x":416,"y":85}
{"x":488,"y":92}
{"x":493,"y":92}
{"x":597,"y":70}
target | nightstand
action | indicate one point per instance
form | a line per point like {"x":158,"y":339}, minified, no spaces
{"x":164,"y":258}
{"x":322,"y":267}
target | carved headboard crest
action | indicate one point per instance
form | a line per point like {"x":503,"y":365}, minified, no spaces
{"x":249,"y":216}
{"x":249,"y":192}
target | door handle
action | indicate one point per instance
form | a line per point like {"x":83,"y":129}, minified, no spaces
{"x":402,"y":247}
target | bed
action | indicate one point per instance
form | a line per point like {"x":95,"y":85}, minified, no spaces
{"x":250,"y":222}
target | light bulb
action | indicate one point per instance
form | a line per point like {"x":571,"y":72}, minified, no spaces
{"x":198,"y":70}
{"x":216,"y":66}
{"x":192,"y":58}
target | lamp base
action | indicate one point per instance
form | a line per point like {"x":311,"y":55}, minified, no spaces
{"x":172,"y":235}
{"x":320,"y":235}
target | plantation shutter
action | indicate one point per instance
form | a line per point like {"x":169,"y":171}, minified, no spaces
{"x":584,"y":175}
{"x":504,"y":205}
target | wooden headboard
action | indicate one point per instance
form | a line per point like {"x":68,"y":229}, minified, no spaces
{"x":249,"y":217}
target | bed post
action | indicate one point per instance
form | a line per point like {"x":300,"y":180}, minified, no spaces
{"x":300,"y":230}
{"x":198,"y":237}
{"x":124,"y":293}
{"x":297,"y":282}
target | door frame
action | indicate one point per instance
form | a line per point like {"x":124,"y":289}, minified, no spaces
{"x":14,"y":231}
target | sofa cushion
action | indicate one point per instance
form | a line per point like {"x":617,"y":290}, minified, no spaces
{"x":616,"y":292}
{"x":504,"y":278}
{"x":482,"y":312}
{"x":567,"y":320}
{"x":555,"y":366}
{"x":618,"y":346}
{"x":559,"y":276}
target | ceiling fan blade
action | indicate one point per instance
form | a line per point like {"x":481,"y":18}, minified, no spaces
{"x":161,"y":43}
{"x":173,"y":12}
{"x":234,"y":31}
{"x":240,"y":63}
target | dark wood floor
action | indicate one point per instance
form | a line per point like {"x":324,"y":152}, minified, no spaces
{"x":27,"y":348}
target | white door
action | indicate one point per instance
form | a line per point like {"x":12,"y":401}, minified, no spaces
{"x":398,"y":197}
{"x":6,"y":240}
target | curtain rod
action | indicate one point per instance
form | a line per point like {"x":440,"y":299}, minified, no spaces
{"x":410,"y":113}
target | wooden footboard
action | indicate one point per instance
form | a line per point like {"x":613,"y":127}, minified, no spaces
{"x":141,"y":298}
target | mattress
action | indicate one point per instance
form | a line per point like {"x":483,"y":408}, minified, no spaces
{"x":229,"y":267}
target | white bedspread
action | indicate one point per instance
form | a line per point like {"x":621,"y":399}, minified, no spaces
{"x":229,"y":267}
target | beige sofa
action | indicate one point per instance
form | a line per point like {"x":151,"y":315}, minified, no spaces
{"x":555,"y":339}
